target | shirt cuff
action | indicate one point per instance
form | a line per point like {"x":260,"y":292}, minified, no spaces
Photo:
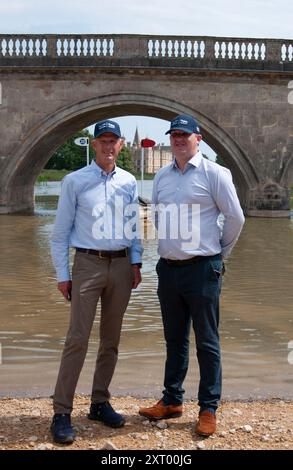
{"x":135,"y":257}
{"x":63,"y":276}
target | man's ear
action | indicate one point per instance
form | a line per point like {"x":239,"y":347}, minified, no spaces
{"x":93,"y":144}
{"x":199,"y":138}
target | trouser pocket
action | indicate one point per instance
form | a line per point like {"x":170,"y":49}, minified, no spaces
{"x":217,"y":269}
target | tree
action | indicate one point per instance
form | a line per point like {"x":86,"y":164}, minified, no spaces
{"x":220,"y":161}
{"x":70,"y":156}
{"x":124,"y":160}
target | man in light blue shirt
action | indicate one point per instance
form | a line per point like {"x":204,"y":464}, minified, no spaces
{"x":98,"y":215}
{"x":188,"y":196}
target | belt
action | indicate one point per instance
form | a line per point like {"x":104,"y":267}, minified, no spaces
{"x":183,"y":262}
{"x":105,"y":254}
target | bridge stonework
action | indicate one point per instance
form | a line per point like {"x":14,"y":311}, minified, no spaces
{"x":52,"y":86}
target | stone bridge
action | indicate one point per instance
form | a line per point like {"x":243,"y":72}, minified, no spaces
{"x":238,"y":88}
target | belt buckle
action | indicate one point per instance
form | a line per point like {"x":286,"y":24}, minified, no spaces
{"x":101,"y":256}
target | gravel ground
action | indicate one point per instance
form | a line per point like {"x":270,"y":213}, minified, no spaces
{"x":24,"y":424}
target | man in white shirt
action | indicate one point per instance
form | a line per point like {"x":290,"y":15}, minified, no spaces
{"x":189,"y":195}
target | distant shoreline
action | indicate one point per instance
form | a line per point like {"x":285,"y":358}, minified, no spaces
{"x":58,"y":175}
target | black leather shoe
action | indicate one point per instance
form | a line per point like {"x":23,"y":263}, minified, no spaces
{"x":104,"y":412}
{"x":61,"y":429}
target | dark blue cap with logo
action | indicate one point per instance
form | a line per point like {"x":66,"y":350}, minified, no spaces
{"x":185,"y":123}
{"x":107,"y":126}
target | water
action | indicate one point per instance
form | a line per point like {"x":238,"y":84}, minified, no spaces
{"x":256,"y":314}
{"x":53,"y":189}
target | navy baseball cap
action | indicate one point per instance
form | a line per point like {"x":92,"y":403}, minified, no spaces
{"x":185,"y":123}
{"x":107,"y":126}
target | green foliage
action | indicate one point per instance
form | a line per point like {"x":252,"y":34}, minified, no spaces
{"x":220,"y":161}
{"x":146,"y":176}
{"x":70,"y":156}
{"x":124,"y":160}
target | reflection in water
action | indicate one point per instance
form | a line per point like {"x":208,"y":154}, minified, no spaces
{"x":256,"y":318}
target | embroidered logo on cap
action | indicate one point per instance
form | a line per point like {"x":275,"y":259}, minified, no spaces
{"x":106,"y":124}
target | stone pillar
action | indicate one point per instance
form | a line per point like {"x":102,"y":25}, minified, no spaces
{"x":209,"y":49}
{"x":131,"y":46}
{"x":273,"y":50}
{"x":17,"y":199}
{"x":51,"y":46}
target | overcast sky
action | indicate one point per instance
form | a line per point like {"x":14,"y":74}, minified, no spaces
{"x":249,"y":18}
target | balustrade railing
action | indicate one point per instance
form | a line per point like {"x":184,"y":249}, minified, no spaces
{"x":23,"y":46}
{"x":239,"y":49}
{"x":198,"y":49}
{"x":84,"y":46}
{"x":219,"y":48}
{"x":287,"y":51}
{"x":176,"y":47}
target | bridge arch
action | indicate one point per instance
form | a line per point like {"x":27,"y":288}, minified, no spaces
{"x":41,"y":142}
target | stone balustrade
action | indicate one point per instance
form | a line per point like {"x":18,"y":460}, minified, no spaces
{"x":217,"y":52}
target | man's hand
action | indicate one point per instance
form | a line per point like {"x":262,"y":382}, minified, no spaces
{"x":65,"y":289}
{"x":136,"y":276}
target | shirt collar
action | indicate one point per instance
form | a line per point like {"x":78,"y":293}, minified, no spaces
{"x":194,"y":161}
{"x":100,"y":170}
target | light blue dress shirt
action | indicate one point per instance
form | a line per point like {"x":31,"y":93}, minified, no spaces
{"x":90,"y":204}
{"x":209,"y":188}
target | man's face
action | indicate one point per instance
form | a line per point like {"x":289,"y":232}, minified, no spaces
{"x":184,"y":145}
{"x":107,"y":148}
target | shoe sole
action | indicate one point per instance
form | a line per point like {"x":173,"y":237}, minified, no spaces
{"x":205,"y":434}
{"x":115,"y":425}
{"x":66,"y":440}
{"x":157,"y":418}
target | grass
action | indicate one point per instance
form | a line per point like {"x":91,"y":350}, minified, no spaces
{"x":58,"y":175}
{"x":146,"y":176}
{"x":51,"y":175}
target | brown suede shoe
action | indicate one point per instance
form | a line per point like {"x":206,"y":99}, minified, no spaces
{"x":161,"y":411}
{"x":206,"y":425}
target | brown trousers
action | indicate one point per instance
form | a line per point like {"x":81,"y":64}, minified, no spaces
{"x":93,"y":278}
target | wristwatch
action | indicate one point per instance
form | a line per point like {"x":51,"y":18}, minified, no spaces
{"x":137,"y":264}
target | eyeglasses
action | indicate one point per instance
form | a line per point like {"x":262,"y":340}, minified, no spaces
{"x":175,"y":135}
